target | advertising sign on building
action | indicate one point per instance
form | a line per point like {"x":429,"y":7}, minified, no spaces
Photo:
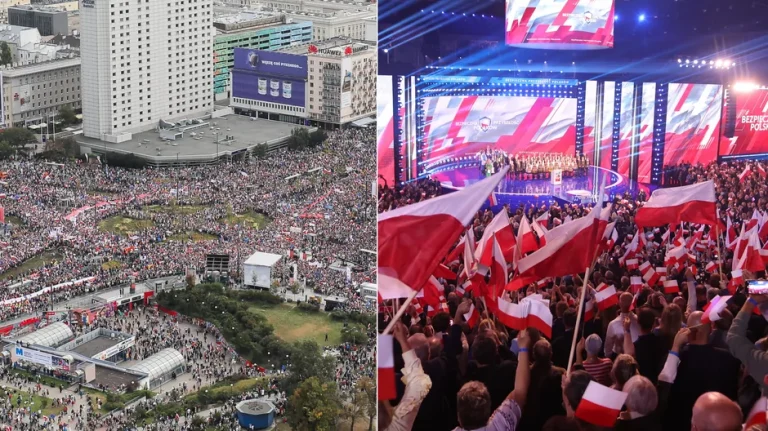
{"x":346,"y":82}
{"x":269,"y":76}
{"x":117,"y":348}
{"x":40,"y":358}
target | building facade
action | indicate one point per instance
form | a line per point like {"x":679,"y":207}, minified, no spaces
{"x":48,"y":21}
{"x":5,"y":4}
{"x":251,"y":30}
{"x":340,"y":86}
{"x":143,"y":62}
{"x":342,"y":23}
{"x":35,"y":92}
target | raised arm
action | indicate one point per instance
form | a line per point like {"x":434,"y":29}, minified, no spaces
{"x":523,"y":373}
{"x":417,"y":384}
{"x":744,"y":350}
{"x":629,"y":346}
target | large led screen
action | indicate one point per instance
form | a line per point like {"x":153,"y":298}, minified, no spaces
{"x":751,"y":133}
{"x":385,"y":129}
{"x":693,"y":123}
{"x":465,"y":125}
{"x":560,"y":24}
{"x":269,"y":77}
{"x":626,"y":127}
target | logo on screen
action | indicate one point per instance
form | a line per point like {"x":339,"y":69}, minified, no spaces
{"x":253,"y":59}
{"x":587,"y":17}
{"x":484,"y":124}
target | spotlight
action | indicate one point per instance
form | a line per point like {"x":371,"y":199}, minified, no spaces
{"x":641,"y":18}
{"x":679,"y":60}
{"x":687,"y":61}
{"x":695,"y":61}
{"x":733,"y":63}
{"x":615,"y":18}
{"x":718,"y":63}
{"x":386,"y":50}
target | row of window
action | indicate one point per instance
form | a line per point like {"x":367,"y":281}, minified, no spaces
{"x":269,"y":105}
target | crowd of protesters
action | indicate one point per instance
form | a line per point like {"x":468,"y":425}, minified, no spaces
{"x":679,"y":367}
{"x":332,"y":208}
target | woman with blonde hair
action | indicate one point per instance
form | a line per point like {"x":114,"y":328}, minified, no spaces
{"x":671,"y":322}
{"x":624,"y":368}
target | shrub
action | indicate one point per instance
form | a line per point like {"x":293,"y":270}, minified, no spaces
{"x":305,"y":306}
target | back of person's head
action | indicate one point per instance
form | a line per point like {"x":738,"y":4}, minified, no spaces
{"x":542,"y":353}
{"x":671,"y":320}
{"x":714,"y":280}
{"x":569,"y":318}
{"x":714,"y":411}
{"x":560,"y":308}
{"x":625,"y":302}
{"x":593,"y":344}
{"x":641,"y":395}
{"x":435,"y":347}
{"x":441,"y":322}
{"x":415,"y":329}
{"x":624,"y":368}
{"x":484,"y":350}
{"x":646,"y":319}
{"x":574,"y":389}
{"x":473,"y":405}
{"x":485,"y":325}
{"x":712,"y":292}
{"x":420,"y":346}
{"x":699,"y":331}
{"x":561,"y":423}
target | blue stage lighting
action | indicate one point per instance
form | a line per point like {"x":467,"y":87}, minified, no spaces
{"x":386,"y":50}
{"x":615,"y":18}
{"x":641,"y":18}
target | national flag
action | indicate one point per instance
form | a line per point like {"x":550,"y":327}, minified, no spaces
{"x":731,"y":235}
{"x":751,"y":259}
{"x":386,"y":368}
{"x":744,"y":174}
{"x":711,"y":267}
{"x":600,"y":405}
{"x":632,"y":264}
{"x":540,"y":232}
{"x":415,"y":238}
{"x":601,"y":287}
{"x":442,"y":271}
{"x":470,"y":264}
{"x":757,"y":415}
{"x":528,"y":313}
{"x":511,"y":315}
{"x":543,"y":221}
{"x":499,"y":273}
{"x":539,"y":317}
{"x":645,"y":267}
{"x":737,"y":276}
{"x":456,"y":252}
{"x":606,"y":298}
{"x":761,"y":170}
{"x":541,"y":284}
{"x":589,"y":310}
{"x":651,"y":277}
{"x":712,"y":314}
{"x":492,"y":200}
{"x":694,"y":203}
{"x":526,"y":239}
{"x":2,"y":215}
{"x":472,"y":317}
{"x":662,"y":270}
{"x":631,"y":250}
{"x":636,"y":283}
{"x":671,"y":287}
{"x":502,"y":231}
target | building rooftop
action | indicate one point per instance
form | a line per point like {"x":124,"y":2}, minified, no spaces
{"x":97,"y":345}
{"x":33,"y":68}
{"x":39,"y":8}
{"x":331,"y":15}
{"x":11,"y":33}
{"x":246,"y":20}
{"x":333,"y":47}
{"x":61,"y":39}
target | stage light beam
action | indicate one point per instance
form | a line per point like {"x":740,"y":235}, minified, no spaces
{"x":641,"y":17}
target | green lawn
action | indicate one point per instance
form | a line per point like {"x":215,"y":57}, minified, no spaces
{"x":194,"y":236}
{"x":122,"y":225}
{"x":14,"y":220}
{"x":36,"y":403}
{"x":112,"y":264}
{"x":250,"y":218}
{"x":176,"y":209}
{"x":31,"y":264}
{"x":42,"y":379}
{"x":292,"y":324}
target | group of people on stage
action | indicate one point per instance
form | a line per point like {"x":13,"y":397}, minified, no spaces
{"x":531,"y":165}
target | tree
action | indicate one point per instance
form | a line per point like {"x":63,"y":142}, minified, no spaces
{"x":260,"y":151}
{"x":317,"y":137}
{"x":6,"y":57}
{"x":67,"y":115}
{"x":190,"y":281}
{"x":18,"y":137}
{"x":357,"y":406}
{"x":367,"y":387}
{"x":308,"y":361}
{"x":299,"y":139}
{"x":295,"y":287}
{"x":6,"y":150}
{"x":314,"y":406}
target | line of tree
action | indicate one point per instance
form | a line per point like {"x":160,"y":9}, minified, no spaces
{"x":302,"y":139}
{"x":14,"y":141}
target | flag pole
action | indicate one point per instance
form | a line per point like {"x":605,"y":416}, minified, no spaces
{"x":400,"y":312}
{"x":578,"y":320}
{"x":719,"y":250}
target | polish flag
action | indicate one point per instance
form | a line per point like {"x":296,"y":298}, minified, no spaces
{"x":675,"y":255}
{"x":600,"y":405}
{"x":711,"y":267}
{"x":472,"y":317}
{"x":757,"y":415}
{"x":511,"y":315}
{"x":502,"y":231}
{"x":540,"y":232}
{"x":744,"y":174}
{"x":632,"y":264}
{"x":470,"y":264}
{"x":611,"y":236}
{"x":526,"y":239}
{"x":631,"y":250}
{"x":731,"y":235}
{"x":539,"y":316}
{"x":528,"y":313}
{"x":737,"y":276}
{"x":600,"y":287}
{"x":492,"y":200}
{"x":761,"y":170}
{"x":717,"y":305}
{"x":589,"y":310}
{"x":645,"y":267}
{"x":671,"y":287}
{"x":651,"y":277}
{"x":433,"y":292}
{"x":543,"y":221}
{"x":636,"y":283}
{"x":764,"y":253}
{"x":415,"y":238}
{"x":541,"y":284}
{"x":456,"y":252}
{"x":751,"y":259}
{"x":694,"y":203}
{"x":386,"y":368}
{"x":499,"y":273}
{"x":606,"y":298}
{"x":661,"y":270}
{"x":755,"y":221}
{"x":444,"y":272}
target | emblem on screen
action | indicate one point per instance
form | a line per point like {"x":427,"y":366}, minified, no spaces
{"x":484,"y":124}
{"x":587,"y":17}
{"x":253,"y":59}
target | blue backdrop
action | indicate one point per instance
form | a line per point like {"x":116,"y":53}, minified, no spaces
{"x":269,"y":76}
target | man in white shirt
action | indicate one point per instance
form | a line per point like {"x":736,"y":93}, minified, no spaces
{"x":614,"y":338}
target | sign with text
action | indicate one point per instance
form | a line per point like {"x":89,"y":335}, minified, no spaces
{"x":271,"y":63}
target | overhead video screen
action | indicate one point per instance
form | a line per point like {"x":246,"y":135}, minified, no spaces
{"x":693,"y":123}
{"x":465,"y":125}
{"x":385,"y":129}
{"x":751,"y":133}
{"x":560,"y":24}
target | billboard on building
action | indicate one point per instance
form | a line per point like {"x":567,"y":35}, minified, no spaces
{"x":269,"y":76}
{"x":40,"y":358}
{"x":346,"y":82}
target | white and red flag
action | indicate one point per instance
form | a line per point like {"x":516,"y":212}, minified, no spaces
{"x":500,"y":228}
{"x":600,"y":405}
{"x":632,"y":264}
{"x":694,"y":203}
{"x":472,"y":316}
{"x":526,"y":238}
{"x":528,"y":313}
{"x":636,"y":283}
{"x":645,"y":267}
{"x":540,"y":232}
{"x":751,"y":258}
{"x":499,"y":273}
{"x":745,"y":174}
{"x":606,"y":298}
{"x":717,"y":305}
{"x":711,"y":267}
{"x":757,"y":415}
{"x":492,"y":200}
{"x":671,"y":287}
{"x":386,"y":368}
{"x":415,"y":238}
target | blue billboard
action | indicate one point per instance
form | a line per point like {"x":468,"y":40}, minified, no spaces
{"x":269,"y":76}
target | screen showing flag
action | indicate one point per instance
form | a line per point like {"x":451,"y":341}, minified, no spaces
{"x":465,"y":125}
{"x":560,"y":24}
{"x":693,"y":123}
{"x":751,"y":132}
{"x":385,"y":129}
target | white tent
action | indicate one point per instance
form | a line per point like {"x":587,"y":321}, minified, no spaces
{"x":257,"y":269}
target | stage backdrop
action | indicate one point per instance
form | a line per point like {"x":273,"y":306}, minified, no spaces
{"x":458,"y":126}
{"x":560,"y":24}
{"x":385,"y":129}
{"x":751,"y":133}
{"x":693,"y":123}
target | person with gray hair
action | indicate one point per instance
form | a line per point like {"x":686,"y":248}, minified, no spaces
{"x":642,"y":401}
{"x":598,"y":368}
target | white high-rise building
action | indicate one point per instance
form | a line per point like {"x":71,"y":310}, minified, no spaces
{"x":144,"y":61}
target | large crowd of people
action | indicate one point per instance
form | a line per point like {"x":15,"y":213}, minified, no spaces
{"x":679,"y":367}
